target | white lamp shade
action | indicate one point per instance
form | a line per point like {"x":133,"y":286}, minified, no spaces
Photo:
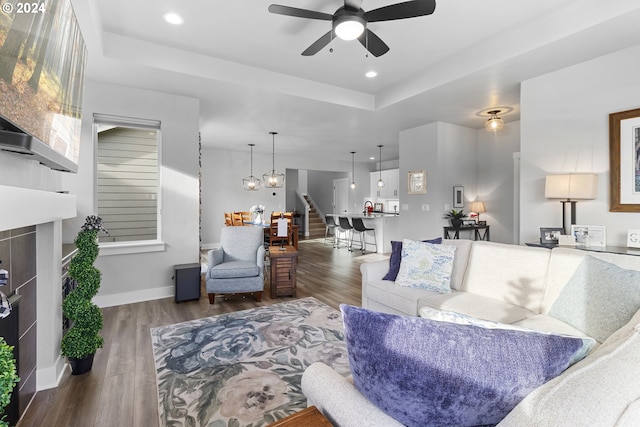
{"x":575,"y":186}
{"x":477,"y":207}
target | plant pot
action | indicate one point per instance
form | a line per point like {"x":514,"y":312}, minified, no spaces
{"x":81,"y":366}
{"x":455,"y":222}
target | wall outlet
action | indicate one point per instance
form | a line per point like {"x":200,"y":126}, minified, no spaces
{"x":425,"y":207}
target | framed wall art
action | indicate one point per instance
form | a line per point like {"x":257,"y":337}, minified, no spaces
{"x":417,"y":182}
{"x":458,"y":196}
{"x":624,"y":158}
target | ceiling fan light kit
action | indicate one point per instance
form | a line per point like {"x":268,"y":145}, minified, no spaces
{"x":350,"y":22}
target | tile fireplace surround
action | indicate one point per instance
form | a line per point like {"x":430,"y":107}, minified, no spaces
{"x":31,"y":250}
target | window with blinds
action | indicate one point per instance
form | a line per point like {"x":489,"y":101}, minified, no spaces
{"x":128,"y":178}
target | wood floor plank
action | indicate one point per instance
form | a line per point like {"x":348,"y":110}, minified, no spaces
{"x":121,"y":390}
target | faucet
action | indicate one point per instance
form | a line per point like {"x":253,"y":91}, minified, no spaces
{"x":368,"y":207}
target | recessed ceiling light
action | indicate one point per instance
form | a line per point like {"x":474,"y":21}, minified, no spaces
{"x":372,"y":158}
{"x":173,"y":18}
{"x":371,"y":74}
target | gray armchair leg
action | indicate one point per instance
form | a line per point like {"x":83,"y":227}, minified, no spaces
{"x":212,"y":298}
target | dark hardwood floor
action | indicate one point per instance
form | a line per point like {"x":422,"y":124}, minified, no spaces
{"x":120,"y":390}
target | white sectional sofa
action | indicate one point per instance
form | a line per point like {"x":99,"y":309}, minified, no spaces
{"x":508,"y":284}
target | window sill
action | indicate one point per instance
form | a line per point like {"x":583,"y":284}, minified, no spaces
{"x":124,"y":248}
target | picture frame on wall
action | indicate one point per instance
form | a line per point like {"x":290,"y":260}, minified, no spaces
{"x":589,"y":235}
{"x":624,"y":132}
{"x":458,"y":196}
{"x":550,"y":235}
{"x":417,"y":182}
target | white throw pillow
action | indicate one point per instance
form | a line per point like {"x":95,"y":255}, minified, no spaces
{"x":426,"y":266}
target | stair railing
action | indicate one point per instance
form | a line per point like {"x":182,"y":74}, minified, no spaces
{"x":306,"y":207}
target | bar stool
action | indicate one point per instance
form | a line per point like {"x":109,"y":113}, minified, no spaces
{"x":346,"y":228}
{"x":358,"y":226}
{"x":330,"y":225}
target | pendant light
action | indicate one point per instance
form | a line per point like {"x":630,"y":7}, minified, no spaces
{"x":495,"y":123}
{"x":273,"y":179}
{"x":380,"y":181}
{"x":251,"y":183}
{"x":353,"y":169}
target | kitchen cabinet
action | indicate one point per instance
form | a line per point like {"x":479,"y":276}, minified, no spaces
{"x":391,"y":178}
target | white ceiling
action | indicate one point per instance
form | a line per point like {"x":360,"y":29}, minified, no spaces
{"x":244,"y":64}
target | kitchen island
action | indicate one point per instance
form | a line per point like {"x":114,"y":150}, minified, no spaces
{"x":387,"y":226}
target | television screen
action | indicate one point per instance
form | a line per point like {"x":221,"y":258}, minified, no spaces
{"x":42,"y":61}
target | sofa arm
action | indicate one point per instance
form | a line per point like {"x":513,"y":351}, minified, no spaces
{"x":374,"y":270}
{"x":338,"y":399}
{"x":260,"y":257}
{"x":216,"y":256}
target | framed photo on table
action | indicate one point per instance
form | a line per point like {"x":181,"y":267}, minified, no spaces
{"x":589,"y":235}
{"x":624,"y":158}
{"x":417,"y":182}
{"x":550,"y":235}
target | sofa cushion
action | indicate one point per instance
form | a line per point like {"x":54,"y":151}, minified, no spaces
{"x":396,"y":257}
{"x":510,"y":273}
{"x":546,"y":323}
{"x":602,"y":390}
{"x":599,"y":298}
{"x":426,"y":266}
{"x":233,"y":269}
{"x":428,"y":373}
{"x":475,"y":305}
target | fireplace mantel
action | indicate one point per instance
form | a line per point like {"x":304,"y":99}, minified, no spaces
{"x":21,"y":207}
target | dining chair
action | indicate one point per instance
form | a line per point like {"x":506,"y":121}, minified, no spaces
{"x":228,"y":218}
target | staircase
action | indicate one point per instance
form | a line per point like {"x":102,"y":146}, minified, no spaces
{"x":316,"y":222}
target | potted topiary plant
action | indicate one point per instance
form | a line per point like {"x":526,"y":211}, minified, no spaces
{"x":83,"y":338}
{"x":455,"y":217}
{"x":8,"y":377}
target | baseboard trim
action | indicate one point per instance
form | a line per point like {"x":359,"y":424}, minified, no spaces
{"x":50,"y":377}
{"x":103,"y":301}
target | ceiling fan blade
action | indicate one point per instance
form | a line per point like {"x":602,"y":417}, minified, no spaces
{"x":353,"y":4}
{"x":373,"y":43}
{"x":319,"y":44}
{"x":407,"y":9}
{"x":299,"y":13}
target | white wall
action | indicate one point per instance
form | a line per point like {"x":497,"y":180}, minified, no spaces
{"x":564,"y":128}
{"x":133,"y":277}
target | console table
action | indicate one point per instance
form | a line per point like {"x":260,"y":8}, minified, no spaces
{"x":283,"y":271}
{"x":454,"y":232}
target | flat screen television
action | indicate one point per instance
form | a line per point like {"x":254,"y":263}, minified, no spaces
{"x":42,"y":63}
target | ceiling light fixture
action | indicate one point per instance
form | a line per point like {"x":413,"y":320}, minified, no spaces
{"x":495,"y":123}
{"x":251,"y":183}
{"x":273,"y":179}
{"x":371,"y":74}
{"x":353,"y":170}
{"x":380,"y":181}
{"x":173,"y":18}
{"x":349,"y":25}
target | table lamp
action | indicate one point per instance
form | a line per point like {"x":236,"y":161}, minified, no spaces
{"x":571,"y":188}
{"x":478,"y":207}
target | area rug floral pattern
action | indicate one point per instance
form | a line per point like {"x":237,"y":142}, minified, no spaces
{"x":244,"y":368}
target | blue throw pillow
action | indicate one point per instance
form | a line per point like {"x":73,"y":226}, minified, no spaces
{"x":396,"y":257}
{"x":424,"y":372}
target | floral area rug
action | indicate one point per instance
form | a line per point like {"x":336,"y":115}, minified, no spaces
{"x":244,"y":368}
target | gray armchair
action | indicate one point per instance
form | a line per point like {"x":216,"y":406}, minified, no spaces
{"x":238,"y":265}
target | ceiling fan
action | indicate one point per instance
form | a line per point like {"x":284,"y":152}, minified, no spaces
{"x":350,"y":22}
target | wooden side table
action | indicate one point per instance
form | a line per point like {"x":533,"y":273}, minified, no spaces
{"x":309,"y":417}
{"x":283,"y":271}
